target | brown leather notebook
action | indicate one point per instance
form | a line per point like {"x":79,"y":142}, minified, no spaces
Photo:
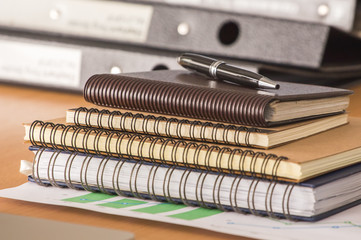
{"x":182,"y":93}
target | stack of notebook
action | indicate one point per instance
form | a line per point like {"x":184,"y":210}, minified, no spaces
{"x":179,"y":137}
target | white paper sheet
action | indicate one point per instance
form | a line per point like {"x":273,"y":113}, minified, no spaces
{"x":343,"y":225}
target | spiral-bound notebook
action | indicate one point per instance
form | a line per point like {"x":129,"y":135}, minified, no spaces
{"x":200,"y":130}
{"x":185,"y":94}
{"x":296,"y":161}
{"x":310,"y":201}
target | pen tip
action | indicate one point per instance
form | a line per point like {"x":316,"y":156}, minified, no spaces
{"x":267,"y":83}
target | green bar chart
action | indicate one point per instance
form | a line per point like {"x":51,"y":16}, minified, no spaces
{"x":144,"y":206}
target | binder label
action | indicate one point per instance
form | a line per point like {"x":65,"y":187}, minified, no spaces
{"x":38,"y":64}
{"x":106,"y":19}
{"x":96,"y":19}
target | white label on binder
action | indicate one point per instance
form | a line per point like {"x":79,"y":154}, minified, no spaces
{"x":96,"y":19}
{"x":39,"y":64}
{"x":106,"y":19}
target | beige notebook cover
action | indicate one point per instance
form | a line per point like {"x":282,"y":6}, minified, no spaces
{"x":200,"y":130}
{"x":297,"y":161}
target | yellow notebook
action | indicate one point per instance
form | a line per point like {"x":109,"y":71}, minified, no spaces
{"x":297,"y":161}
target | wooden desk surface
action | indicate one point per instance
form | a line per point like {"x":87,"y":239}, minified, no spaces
{"x":24,"y":104}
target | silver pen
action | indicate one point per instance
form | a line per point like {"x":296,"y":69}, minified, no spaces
{"x":220,"y":70}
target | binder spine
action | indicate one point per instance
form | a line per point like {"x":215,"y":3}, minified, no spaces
{"x":167,"y":196}
{"x":155,"y":129}
{"x":59,"y":135}
{"x":176,"y":99}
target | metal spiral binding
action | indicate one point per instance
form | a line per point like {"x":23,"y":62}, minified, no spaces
{"x":167,"y":126}
{"x":238,"y":130}
{"x":42,"y":133}
{"x":180,"y":126}
{"x":85,"y":164}
{"x":51,"y":165}
{"x":77,"y":115}
{"x":250,"y":197}
{"x":192,"y":129}
{"x":286,"y":203}
{"x":88,"y":116}
{"x":226,"y":132}
{"x":187,"y":147}
{"x":100,"y":118}
{"x":136,"y":167}
{"x":248,"y":134}
{"x":219,"y":157}
{"x":242,"y":160}
{"x":168,"y":175}
{"x":101,"y":169}
{"x":133,"y":123}
{"x":208,"y":154}
{"x":146,"y":120}
{"x":53,"y":134}
{"x":167,"y":196}
{"x":65,"y":131}
{"x":272,"y":185}
{"x":116,"y":174}
{"x":182,"y":187}
{"x":200,"y":200}
{"x":253,"y":163}
{"x":124,"y":144}
{"x":217,"y":201}
{"x":156,"y":124}
{"x":175,"y":148}
{"x":35,"y":168}
{"x":150,"y":184}
{"x":235,"y":206}
{"x":268,"y":199}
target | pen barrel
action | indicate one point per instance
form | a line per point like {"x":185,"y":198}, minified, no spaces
{"x":234,"y":74}
{"x":195,"y":62}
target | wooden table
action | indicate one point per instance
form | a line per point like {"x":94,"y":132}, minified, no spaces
{"x":20,"y":104}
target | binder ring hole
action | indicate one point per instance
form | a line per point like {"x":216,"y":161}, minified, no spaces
{"x":228,"y":33}
{"x":160,"y":67}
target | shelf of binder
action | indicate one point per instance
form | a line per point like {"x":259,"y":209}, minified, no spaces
{"x":166,"y":27}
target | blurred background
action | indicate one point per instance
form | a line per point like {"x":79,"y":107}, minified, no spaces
{"x":61,"y":43}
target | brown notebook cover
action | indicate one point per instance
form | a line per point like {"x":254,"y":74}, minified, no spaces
{"x":187,"y":94}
